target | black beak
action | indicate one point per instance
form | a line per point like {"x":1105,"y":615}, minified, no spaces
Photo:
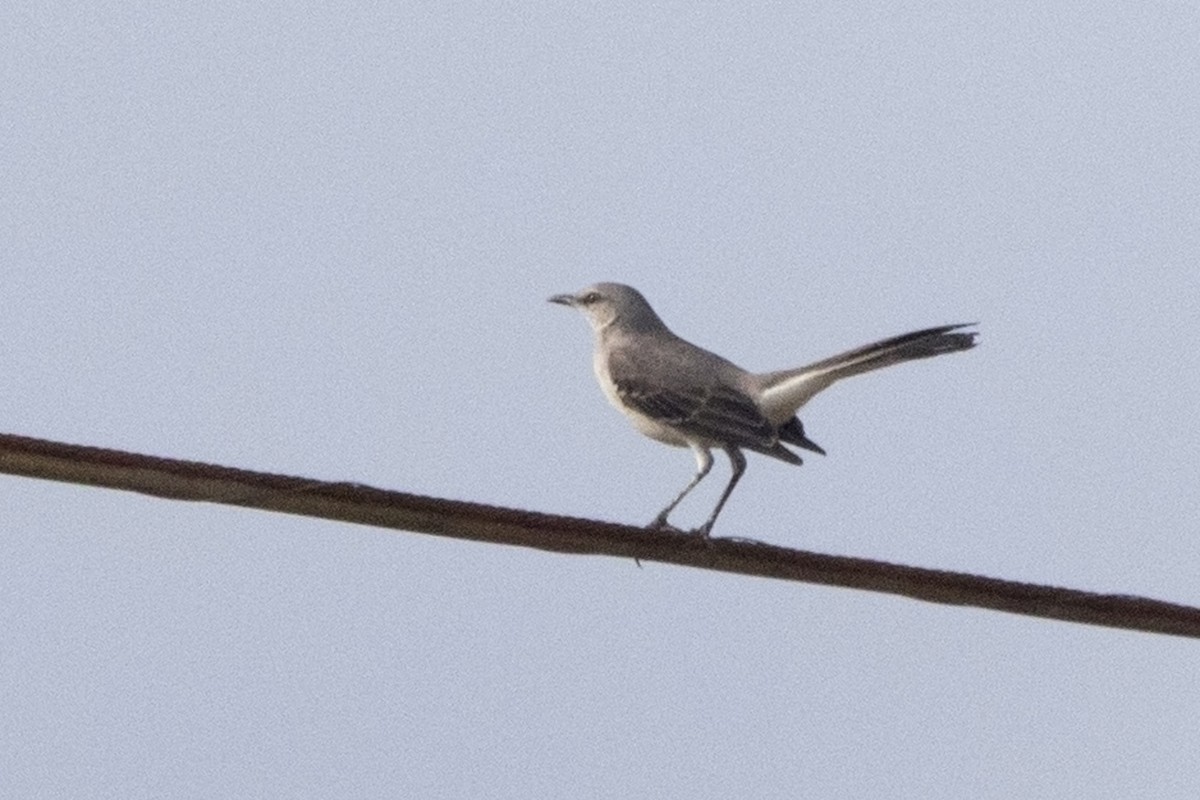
{"x":563,"y":299}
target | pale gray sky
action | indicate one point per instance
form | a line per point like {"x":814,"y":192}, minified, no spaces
{"x":318,"y":240}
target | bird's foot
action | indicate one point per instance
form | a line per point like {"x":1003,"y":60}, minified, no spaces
{"x":660,"y":523}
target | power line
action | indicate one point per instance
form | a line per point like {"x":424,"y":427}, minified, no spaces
{"x":366,"y":505}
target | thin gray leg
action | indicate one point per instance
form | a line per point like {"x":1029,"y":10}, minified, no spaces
{"x":704,"y":463}
{"x":739,"y":466}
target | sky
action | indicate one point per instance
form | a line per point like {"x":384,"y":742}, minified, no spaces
{"x":318,"y":240}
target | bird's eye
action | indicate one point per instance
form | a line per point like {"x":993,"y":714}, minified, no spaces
{"x":590,"y":298}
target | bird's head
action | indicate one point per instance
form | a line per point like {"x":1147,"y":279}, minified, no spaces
{"x":606,"y":303}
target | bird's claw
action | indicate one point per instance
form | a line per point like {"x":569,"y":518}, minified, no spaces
{"x":660,"y":523}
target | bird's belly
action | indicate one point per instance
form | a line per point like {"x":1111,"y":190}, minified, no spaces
{"x":652,"y":428}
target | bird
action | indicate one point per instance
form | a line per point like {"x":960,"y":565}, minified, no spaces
{"x":682,"y":395}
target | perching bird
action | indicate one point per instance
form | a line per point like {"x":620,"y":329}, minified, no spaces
{"x":682,"y":395}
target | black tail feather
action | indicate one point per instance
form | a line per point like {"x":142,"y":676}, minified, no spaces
{"x":793,"y":433}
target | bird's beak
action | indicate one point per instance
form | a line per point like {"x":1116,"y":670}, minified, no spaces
{"x":563,"y":299}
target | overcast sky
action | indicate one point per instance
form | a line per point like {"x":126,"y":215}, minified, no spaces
{"x":319,"y":240}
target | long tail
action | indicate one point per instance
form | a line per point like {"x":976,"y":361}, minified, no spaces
{"x":785,"y":391}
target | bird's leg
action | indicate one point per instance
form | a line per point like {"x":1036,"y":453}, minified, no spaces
{"x":739,"y":466}
{"x":703,"y":465}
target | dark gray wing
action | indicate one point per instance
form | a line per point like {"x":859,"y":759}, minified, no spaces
{"x":694,"y":401}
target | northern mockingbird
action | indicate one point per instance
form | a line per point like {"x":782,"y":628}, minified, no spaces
{"x":682,"y":395}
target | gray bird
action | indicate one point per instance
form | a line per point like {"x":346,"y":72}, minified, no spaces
{"x":682,"y":395}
